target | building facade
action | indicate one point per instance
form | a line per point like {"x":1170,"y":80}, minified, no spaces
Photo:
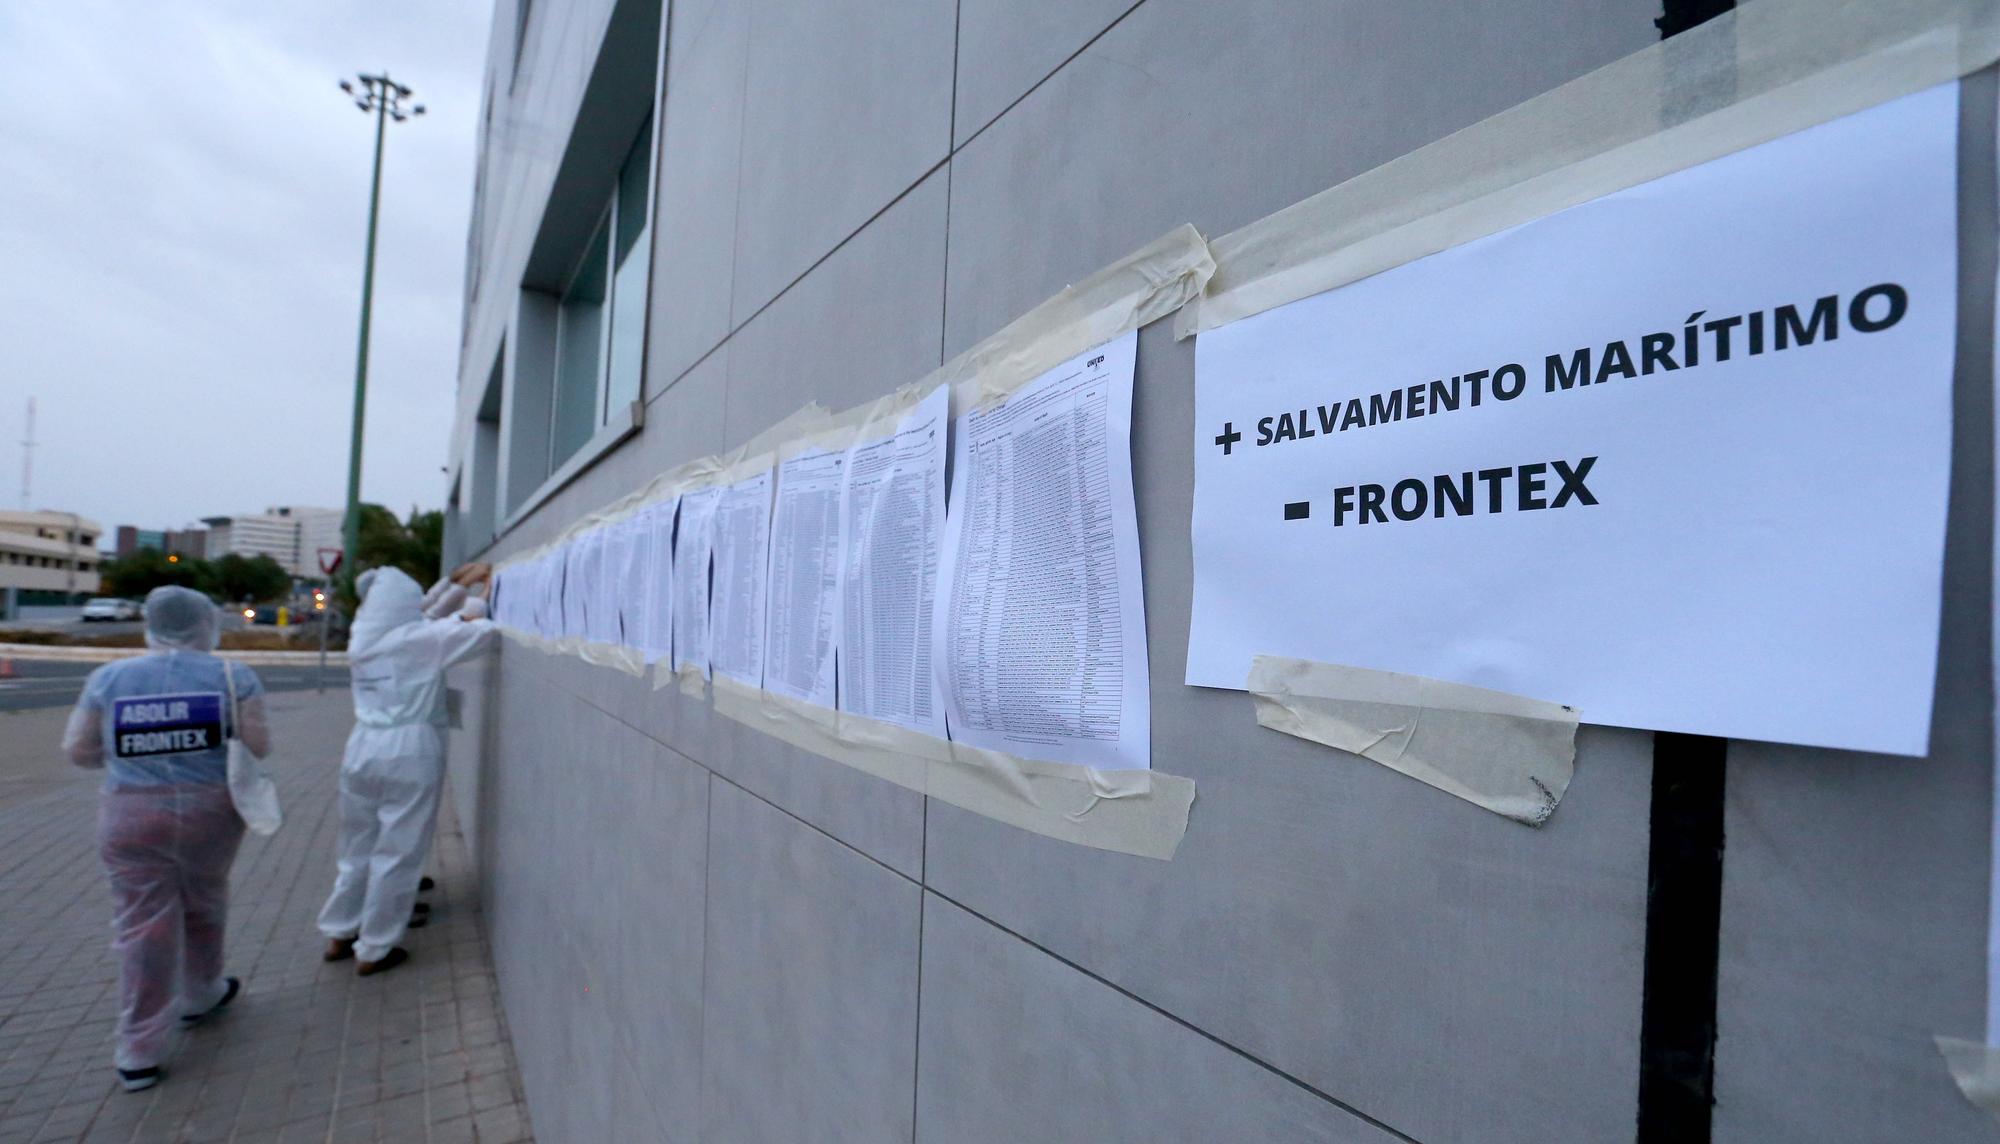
{"x":290,"y":535}
{"x":185,"y":542}
{"x":48,"y":557}
{"x":690,"y":219}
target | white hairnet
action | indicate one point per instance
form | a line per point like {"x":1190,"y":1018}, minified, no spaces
{"x":363,"y":582}
{"x":182,"y":619}
{"x":393,"y":600}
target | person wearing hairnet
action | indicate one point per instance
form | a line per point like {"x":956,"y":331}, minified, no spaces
{"x":167,"y":831}
{"x":393,"y":771}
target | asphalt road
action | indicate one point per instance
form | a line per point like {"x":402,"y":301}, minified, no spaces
{"x":231,"y":621}
{"x":27,"y":683}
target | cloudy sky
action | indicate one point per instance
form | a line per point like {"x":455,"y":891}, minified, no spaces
{"x":183,"y":202}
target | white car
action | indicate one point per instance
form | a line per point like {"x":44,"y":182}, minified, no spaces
{"x":112,"y":609}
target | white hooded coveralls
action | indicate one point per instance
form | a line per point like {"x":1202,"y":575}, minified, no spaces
{"x":393,"y":771}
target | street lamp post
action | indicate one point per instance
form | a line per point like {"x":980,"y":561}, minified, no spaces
{"x":383,"y":97}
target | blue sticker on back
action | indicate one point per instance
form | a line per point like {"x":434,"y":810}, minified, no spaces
{"x":166,"y":724}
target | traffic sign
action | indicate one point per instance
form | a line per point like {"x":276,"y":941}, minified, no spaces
{"x":329,"y":560}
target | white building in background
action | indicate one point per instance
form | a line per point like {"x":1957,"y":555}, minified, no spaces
{"x":290,"y":535}
{"x":44,"y":555}
{"x":319,"y":528}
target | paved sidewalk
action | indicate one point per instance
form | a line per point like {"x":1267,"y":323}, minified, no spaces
{"x":309,"y":1052}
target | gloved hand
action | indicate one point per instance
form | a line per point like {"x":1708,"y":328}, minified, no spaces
{"x":447,"y":602}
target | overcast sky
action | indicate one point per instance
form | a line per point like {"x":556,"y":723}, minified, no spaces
{"x":183,"y":202}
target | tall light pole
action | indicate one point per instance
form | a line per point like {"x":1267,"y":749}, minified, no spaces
{"x":384,"y":98}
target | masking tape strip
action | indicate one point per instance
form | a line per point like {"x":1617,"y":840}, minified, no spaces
{"x":1976,"y":1068}
{"x":1147,"y":284}
{"x":1138,"y":812}
{"x":629,"y":660}
{"x":1751,"y":75}
{"x":1511,"y":755}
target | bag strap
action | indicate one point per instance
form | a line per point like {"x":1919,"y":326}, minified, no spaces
{"x":235,"y":716}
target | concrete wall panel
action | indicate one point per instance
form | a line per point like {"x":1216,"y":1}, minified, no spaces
{"x":694,"y":220}
{"x":865,"y":321}
{"x":811,"y":1022}
{"x":1018,"y":1046}
{"x":1006,"y":47}
{"x":848,"y":104}
{"x":602,"y":970}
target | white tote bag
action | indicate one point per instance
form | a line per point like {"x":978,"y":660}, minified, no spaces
{"x":253,"y":792}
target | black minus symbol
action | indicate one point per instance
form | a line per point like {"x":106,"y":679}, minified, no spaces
{"x":1298,"y":510}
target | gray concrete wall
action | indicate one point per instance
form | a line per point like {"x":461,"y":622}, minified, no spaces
{"x":702,"y":933}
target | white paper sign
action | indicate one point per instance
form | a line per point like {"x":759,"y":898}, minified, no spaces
{"x":693,"y":544}
{"x":1676,"y":457}
{"x":892,"y":536}
{"x":802,"y":615}
{"x":575,"y":588}
{"x":1041,"y":621}
{"x":656,"y":615}
{"x":736,"y":610}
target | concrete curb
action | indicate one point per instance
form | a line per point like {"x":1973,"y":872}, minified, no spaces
{"x":107,"y":654}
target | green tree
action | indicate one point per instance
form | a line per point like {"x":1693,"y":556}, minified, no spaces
{"x":255,"y":579}
{"x":416,"y":546}
{"x":135,"y":575}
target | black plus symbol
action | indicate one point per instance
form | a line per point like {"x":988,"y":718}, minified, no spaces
{"x":1229,"y":437}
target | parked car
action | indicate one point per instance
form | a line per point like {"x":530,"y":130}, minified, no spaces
{"x":111,"y":609}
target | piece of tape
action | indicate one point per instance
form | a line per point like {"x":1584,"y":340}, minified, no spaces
{"x":1147,"y":284}
{"x":1511,"y":755}
{"x":631,"y":661}
{"x":1976,"y":1068}
{"x":1138,"y":812}
{"x":1750,"y":75}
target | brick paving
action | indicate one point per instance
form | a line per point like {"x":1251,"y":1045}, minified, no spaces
{"x":309,"y":1052}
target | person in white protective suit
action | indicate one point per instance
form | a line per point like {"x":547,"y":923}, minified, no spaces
{"x":393,"y":772}
{"x":445,"y":599}
{"x":167,"y":830}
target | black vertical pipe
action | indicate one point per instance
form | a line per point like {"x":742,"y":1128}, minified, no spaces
{"x":1683,"y":923}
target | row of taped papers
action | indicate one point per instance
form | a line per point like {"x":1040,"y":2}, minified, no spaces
{"x":1681,"y":461}
{"x":741,"y":541}
{"x":692,"y":543}
{"x":892,"y":522}
{"x":1040,"y":615}
{"x":1008,"y":614}
{"x":803,"y":607}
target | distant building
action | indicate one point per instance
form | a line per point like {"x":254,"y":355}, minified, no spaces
{"x":189,"y":543}
{"x":319,"y":528}
{"x":46,"y":557}
{"x":287,"y":534}
{"x":132,"y":539}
